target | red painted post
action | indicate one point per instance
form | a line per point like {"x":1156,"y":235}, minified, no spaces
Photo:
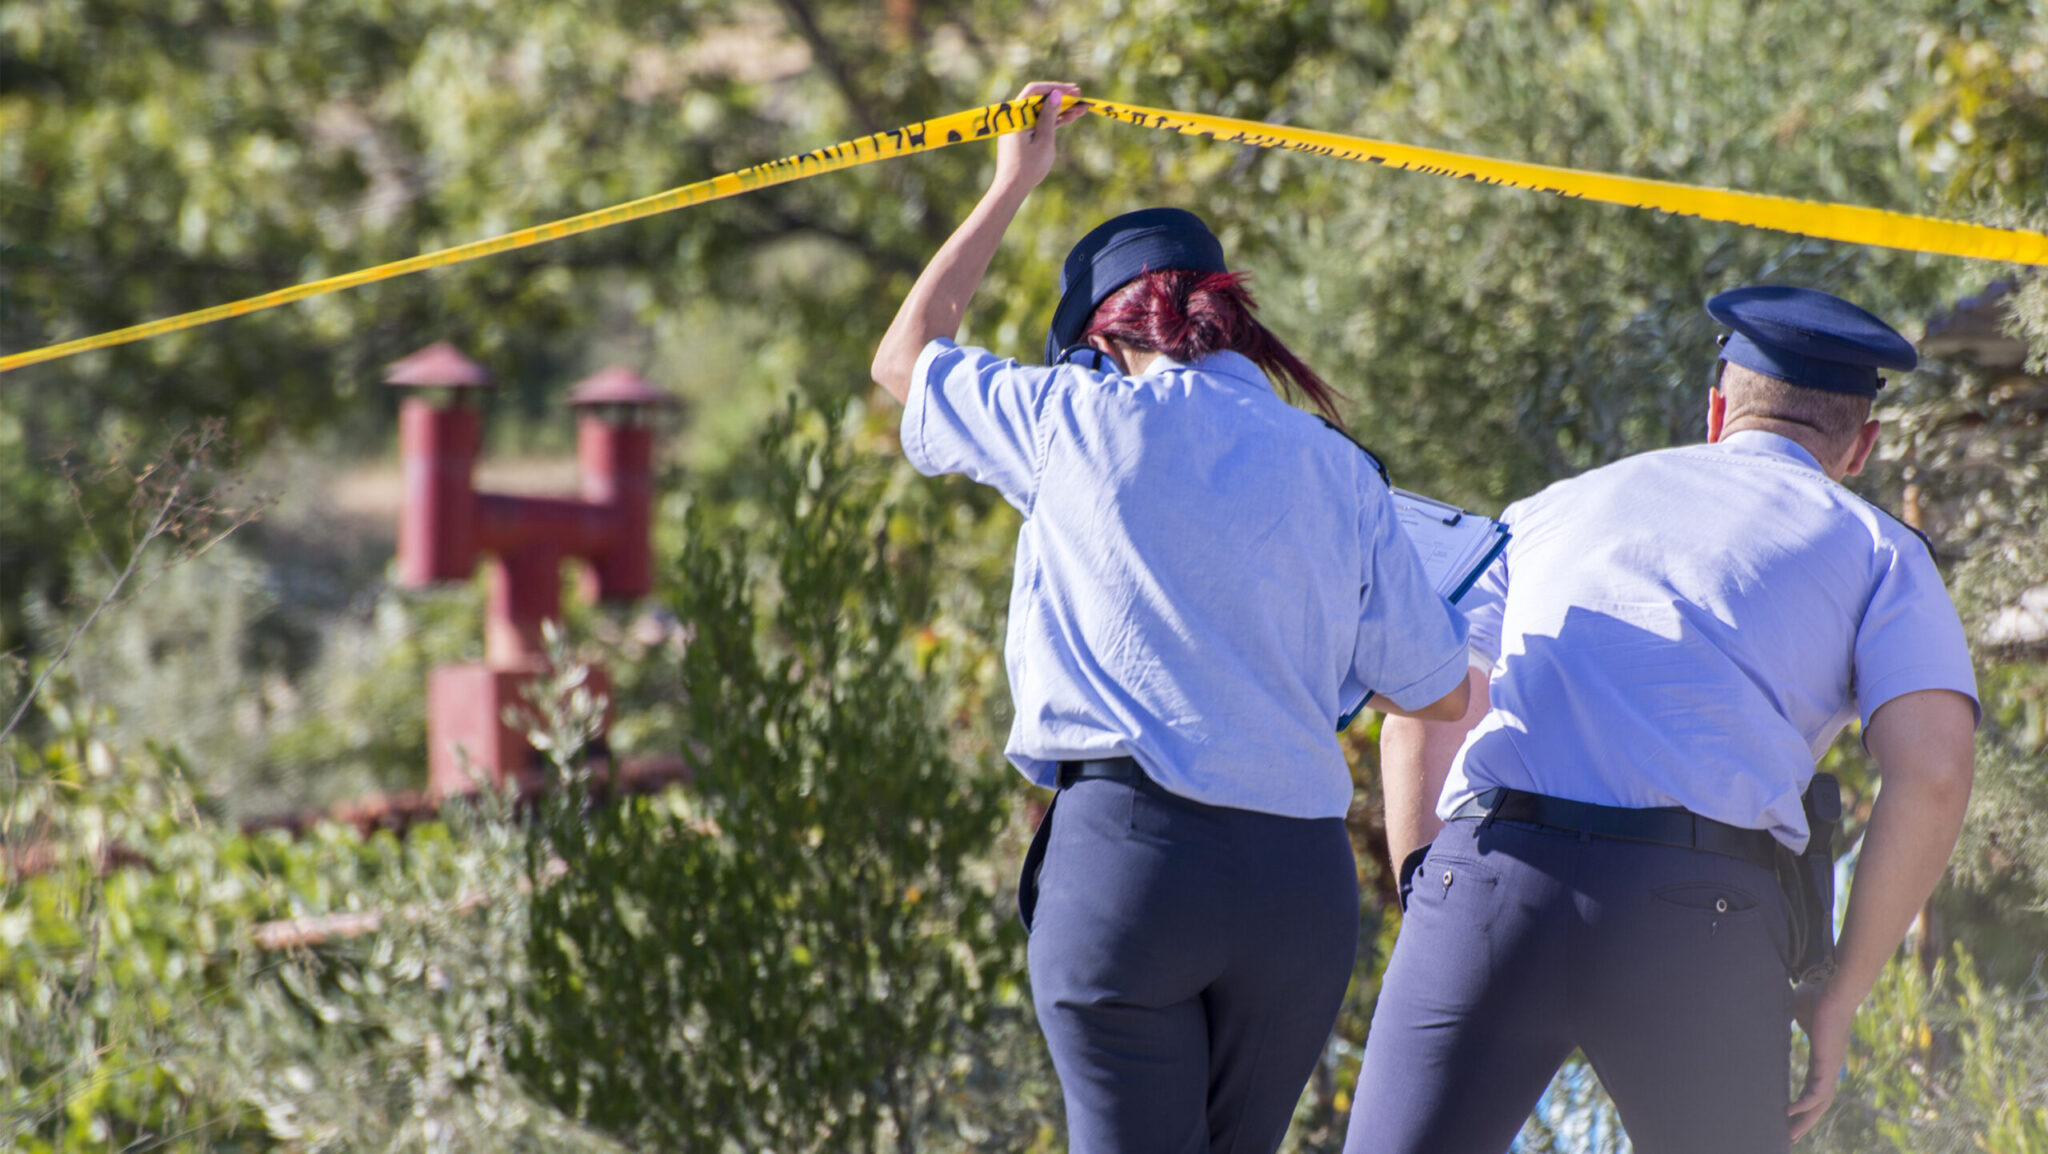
{"x":525,"y":591}
{"x":615,"y":457}
{"x":437,"y":446}
{"x":445,"y":524}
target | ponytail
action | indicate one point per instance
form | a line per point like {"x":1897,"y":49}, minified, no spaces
{"x":1187,"y":315}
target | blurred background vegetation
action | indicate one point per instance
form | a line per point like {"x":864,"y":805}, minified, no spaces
{"x":808,"y":948}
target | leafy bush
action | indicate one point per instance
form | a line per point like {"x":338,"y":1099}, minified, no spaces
{"x":785,"y":956}
{"x":1945,"y":1062}
{"x":139,"y":1009}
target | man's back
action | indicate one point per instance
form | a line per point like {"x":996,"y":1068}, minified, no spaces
{"x":1692,"y":627}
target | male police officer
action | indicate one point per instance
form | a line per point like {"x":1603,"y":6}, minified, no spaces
{"x":1673,"y":639}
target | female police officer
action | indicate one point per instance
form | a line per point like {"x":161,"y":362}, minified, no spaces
{"x":1205,"y":576}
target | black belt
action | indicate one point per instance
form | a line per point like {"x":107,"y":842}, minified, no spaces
{"x":1111,"y":768}
{"x":1674,"y":827}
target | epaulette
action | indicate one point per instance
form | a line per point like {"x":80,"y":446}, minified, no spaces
{"x":1378,"y":465}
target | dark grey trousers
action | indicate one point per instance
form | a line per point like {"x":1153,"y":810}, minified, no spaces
{"x":1666,"y":966}
{"x":1187,"y":962}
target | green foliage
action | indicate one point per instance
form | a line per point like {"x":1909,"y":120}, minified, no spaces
{"x":1985,"y":127}
{"x":279,"y":698}
{"x":398,"y":1040}
{"x":1965,"y":445}
{"x":92,"y":971}
{"x":140,"y":1007}
{"x":354,"y":721}
{"x":157,"y":158}
{"x":799,"y":940}
{"x":1944,"y":1062}
{"x":1498,"y":340}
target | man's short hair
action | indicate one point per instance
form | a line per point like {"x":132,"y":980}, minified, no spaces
{"x":1835,"y":417}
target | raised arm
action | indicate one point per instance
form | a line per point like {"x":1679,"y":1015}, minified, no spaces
{"x":939,"y":298}
{"x":1924,"y":743}
{"x":1415,"y":756}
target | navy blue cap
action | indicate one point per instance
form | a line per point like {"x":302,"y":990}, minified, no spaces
{"x":1810,"y":338}
{"x":1119,"y":251}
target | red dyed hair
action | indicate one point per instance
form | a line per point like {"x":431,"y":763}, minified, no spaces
{"x":1187,"y":315}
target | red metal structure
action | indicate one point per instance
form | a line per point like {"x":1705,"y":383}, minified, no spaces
{"x":445,"y":526}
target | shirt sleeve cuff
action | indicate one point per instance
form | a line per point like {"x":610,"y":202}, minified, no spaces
{"x":918,"y":404}
{"x":1868,"y":701}
{"x":1430,"y":689}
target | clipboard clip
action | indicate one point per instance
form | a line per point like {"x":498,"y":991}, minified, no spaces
{"x":1449,"y":515}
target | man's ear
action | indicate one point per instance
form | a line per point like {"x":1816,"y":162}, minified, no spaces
{"x":1866,"y":440}
{"x":1717,"y":413}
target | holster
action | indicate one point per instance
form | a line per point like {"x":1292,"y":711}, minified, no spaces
{"x":1034,"y":861}
{"x":1808,"y":880}
{"x":1409,"y":865}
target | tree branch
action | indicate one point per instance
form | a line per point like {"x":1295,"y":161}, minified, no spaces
{"x":835,"y":67}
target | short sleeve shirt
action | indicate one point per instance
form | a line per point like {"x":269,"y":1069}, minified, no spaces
{"x":1206,"y":576}
{"x":1693,"y":627}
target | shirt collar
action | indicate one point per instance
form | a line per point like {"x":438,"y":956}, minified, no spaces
{"x":1773,"y":445}
{"x":1222,"y":363}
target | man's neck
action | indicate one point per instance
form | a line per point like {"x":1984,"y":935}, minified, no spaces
{"x":1805,"y":436}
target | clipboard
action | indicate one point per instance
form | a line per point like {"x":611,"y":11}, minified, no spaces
{"x":1454,"y":545}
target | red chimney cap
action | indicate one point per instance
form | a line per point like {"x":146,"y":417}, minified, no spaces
{"x":438,"y":366}
{"x":618,"y":386}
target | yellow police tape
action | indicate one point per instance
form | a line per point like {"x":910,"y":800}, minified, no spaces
{"x":1848,"y":223}
{"x":1839,"y":222}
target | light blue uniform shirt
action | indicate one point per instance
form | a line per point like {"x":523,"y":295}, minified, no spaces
{"x":1693,"y":627}
{"x":1206,"y":576}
